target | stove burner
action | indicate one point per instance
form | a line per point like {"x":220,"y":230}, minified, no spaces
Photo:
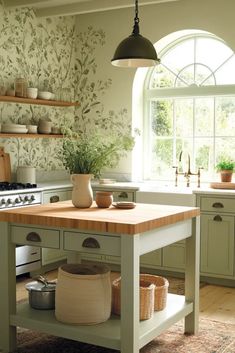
{"x":15,"y":186}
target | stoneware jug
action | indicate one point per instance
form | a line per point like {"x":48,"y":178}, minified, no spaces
{"x":82,"y":195}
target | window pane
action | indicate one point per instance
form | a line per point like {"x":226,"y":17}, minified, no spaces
{"x":186,"y":77}
{"x":225,"y":116}
{"x":179,"y":56}
{"x":184,"y":117}
{"x":226,"y":74}
{"x":211,"y":52}
{"x":161,"y":77}
{"x":224,"y":148}
{"x":162,"y":155}
{"x":202,"y":73}
{"x":204,"y":157}
{"x":162,"y":117}
{"x":204,"y":116}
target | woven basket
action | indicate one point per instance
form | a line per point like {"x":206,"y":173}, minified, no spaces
{"x":83,"y":294}
{"x":161,"y":290}
{"x":146,"y":298}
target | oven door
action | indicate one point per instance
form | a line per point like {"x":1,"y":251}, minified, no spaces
{"x":28,"y":258}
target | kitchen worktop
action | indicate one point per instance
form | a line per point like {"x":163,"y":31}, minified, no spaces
{"x":142,"y":218}
{"x":147,"y":187}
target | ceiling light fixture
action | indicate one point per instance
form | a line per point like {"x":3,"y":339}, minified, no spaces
{"x":135,"y":50}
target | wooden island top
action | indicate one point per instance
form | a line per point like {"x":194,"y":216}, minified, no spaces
{"x":142,"y":218}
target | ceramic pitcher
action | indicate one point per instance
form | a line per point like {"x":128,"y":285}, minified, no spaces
{"x":82,"y":195}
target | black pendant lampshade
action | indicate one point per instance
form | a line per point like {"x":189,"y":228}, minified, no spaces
{"x":135,"y":50}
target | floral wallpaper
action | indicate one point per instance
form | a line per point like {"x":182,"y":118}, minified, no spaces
{"x":53,"y":56}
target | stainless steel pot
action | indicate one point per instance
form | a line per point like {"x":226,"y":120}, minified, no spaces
{"x":41,"y":294}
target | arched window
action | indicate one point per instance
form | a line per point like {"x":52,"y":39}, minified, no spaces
{"x":189,"y":105}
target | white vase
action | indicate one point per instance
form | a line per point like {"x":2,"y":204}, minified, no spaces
{"x":82,"y":195}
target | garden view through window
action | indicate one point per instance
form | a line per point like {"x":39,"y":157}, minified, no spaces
{"x":190,"y":106}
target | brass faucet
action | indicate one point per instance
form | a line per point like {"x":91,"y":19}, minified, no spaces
{"x":187,"y":173}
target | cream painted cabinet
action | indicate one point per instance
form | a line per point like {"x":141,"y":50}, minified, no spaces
{"x":217,"y":235}
{"x":50,"y":256}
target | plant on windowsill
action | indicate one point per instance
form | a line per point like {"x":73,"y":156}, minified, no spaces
{"x":226,"y":168}
{"x":86,"y":155}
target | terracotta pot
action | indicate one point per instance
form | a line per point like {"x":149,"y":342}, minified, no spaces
{"x":104,"y":199}
{"x":226,"y":175}
{"x":82,"y":195}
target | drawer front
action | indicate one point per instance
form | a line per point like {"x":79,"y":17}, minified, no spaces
{"x":35,"y":236}
{"x":123,"y":196}
{"x":56,"y":196}
{"x":93,"y":244}
{"x":217,"y":204}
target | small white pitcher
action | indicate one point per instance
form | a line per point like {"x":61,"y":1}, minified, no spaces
{"x":82,"y":194}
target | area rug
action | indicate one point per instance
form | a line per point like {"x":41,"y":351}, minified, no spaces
{"x":213,"y":337}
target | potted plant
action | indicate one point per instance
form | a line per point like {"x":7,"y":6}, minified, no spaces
{"x":226,"y":168}
{"x":86,"y":155}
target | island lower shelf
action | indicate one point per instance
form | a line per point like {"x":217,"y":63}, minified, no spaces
{"x":106,"y":334}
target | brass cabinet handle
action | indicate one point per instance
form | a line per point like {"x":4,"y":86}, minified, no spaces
{"x":217,"y":205}
{"x":33,"y":236}
{"x":91,"y":243}
{"x":54,"y":198}
{"x":123,"y":195}
{"x":218,"y":218}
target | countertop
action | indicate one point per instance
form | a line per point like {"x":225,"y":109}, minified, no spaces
{"x":142,"y":218}
{"x":141,"y":187}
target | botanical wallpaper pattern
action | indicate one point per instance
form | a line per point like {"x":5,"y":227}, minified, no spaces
{"x":52,"y":56}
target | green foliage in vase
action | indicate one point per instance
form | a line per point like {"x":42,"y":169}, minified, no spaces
{"x":90,"y":154}
{"x":225,"y":164}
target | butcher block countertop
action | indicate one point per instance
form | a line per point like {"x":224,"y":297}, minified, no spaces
{"x":142,"y":218}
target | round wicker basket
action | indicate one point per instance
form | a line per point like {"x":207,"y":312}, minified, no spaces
{"x":83,"y":294}
{"x":161,"y":290}
{"x":146,"y":298}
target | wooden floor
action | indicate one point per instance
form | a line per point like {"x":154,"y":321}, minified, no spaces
{"x":216,"y":302}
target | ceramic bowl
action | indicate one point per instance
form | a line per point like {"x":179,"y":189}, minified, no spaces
{"x":32,"y":92}
{"x":44,"y":95}
{"x":32,"y":129}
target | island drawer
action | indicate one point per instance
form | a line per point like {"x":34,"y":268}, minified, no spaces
{"x":218,"y":204}
{"x":37,"y":236}
{"x":92,"y":243}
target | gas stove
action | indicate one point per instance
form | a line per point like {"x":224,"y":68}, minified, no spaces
{"x":18,"y":195}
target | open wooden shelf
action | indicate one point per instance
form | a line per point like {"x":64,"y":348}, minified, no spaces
{"x":32,"y":136}
{"x":53,"y":103}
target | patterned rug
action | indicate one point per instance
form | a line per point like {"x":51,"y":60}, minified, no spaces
{"x":213,"y":337}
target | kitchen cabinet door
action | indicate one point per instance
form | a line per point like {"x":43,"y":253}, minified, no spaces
{"x":217,"y":244}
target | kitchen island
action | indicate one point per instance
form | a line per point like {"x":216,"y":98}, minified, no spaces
{"x":125,"y":233}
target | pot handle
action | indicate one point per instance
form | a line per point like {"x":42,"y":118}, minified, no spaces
{"x":33,"y":236}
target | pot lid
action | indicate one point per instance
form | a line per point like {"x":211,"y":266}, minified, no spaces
{"x":40,"y":287}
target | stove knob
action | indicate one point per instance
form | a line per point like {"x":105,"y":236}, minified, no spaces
{"x":9,"y":201}
{"x":17,"y":200}
{"x":3,"y":202}
{"x":32,"y":198}
{"x":26,"y":199}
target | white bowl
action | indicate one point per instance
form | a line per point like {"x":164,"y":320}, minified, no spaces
{"x":32,"y":92}
{"x":44,"y":95}
{"x":32,"y":129}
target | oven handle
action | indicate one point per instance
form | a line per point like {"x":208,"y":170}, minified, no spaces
{"x":33,"y":236}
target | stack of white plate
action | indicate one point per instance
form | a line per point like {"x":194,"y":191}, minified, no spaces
{"x":14,"y":129}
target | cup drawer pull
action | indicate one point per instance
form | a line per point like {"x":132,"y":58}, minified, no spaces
{"x":217,"y":205}
{"x":33,"y":236}
{"x":54,"y":198}
{"x":217,"y":218}
{"x":91,"y":243}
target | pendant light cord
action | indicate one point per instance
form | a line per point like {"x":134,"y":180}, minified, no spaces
{"x":136,"y":29}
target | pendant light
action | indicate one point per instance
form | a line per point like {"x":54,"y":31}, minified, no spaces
{"x":135,"y":50}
